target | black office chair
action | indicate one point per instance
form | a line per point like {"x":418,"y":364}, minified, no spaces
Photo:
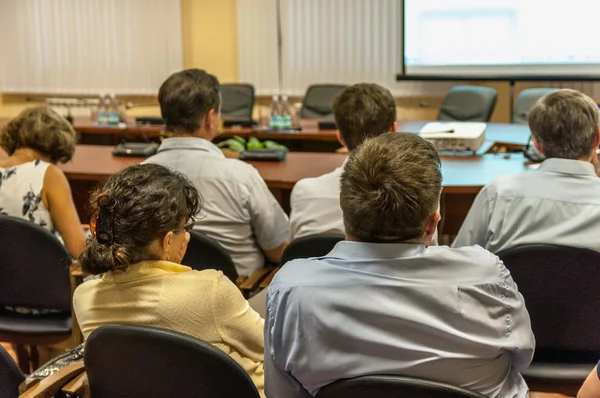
{"x":377,"y":386}
{"x":560,"y":287}
{"x":35,"y":289}
{"x":238,"y":104}
{"x":310,"y":246}
{"x":526,"y":100}
{"x":317,"y":101}
{"x":10,"y":375}
{"x":137,"y":361}
{"x":468,"y":104}
{"x":206,"y":253}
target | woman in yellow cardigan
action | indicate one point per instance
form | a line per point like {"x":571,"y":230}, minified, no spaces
{"x":142,"y":215}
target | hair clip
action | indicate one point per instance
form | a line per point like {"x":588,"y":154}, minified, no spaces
{"x":101,"y":226}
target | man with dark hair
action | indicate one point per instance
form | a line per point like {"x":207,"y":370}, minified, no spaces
{"x":383,"y":302}
{"x":240,"y":212}
{"x":559,"y":203}
{"x":361,"y":111}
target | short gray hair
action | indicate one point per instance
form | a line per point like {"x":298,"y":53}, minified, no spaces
{"x":565,"y":124}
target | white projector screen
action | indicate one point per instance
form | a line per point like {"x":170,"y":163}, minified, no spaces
{"x":502,"y":39}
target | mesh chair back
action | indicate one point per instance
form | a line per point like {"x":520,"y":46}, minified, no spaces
{"x":526,"y":100}
{"x":205,"y":253}
{"x":238,"y":102}
{"x":310,"y":246}
{"x":34,"y":271}
{"x":10,"y":375}
{"x":136,"y":361}
{"x":317,"y":100}
{"x":393,"y":387}
{"x":468,"y":104}
{"x":560,"y":287}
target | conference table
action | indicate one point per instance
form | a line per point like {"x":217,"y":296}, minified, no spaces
{"x":309,"y":138}
{"x":463,"y":175}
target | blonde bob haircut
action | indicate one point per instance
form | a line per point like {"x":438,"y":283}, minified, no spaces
{"x":43,"y":130}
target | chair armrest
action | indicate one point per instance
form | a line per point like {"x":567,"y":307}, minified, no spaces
{"x":52,"y":384}
{"x":77,"y":386}
{"x":253,"y":280}
{"x":267,"y":281}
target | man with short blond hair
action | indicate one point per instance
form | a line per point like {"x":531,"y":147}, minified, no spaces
{"x":385,"y":302}
{"x":559,"y":203}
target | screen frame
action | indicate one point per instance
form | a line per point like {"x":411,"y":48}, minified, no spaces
{"x":403,"y":76}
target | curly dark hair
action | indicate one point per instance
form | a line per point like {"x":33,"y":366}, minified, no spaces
{"x":186,"y":97}
{"x":43,"y":130}
{"x":143,"y":203}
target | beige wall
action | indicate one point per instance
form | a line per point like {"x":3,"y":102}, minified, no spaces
{"x":210,"y":42}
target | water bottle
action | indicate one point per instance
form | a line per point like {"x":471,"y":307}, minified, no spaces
{"x":102,"y":111}
{"x":113,"y":117}
{"x":276,"y":119}
{"x":286,"y":113}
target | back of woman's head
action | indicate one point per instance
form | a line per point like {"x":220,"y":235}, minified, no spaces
{"x":134,"y":208}
{"x":43,"y":130}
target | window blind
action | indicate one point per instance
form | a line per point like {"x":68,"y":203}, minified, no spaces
{"x":89,"y":46}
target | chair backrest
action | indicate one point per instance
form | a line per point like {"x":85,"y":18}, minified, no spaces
{"x":310,"y":246}
{"x":10,"y":375}
{"x":137,"y":361}
{"x":317,"y":100}
{"x":206,"y":253}
{"x":34,"y":270}
{"x":560,"y":287}
{"x":526,"y":100}
{"x":468,"y":104}
{"x":238,"y":102}
{"x":393,"y":387}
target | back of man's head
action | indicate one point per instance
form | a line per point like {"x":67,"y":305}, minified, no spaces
{"x":185,"y":99}
{"x":390,"y":188}
{"x":362,"y":111}
{"x":565,"y":124}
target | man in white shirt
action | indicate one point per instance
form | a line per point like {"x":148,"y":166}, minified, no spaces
{"x":559,"y":202}
{"x":361,"y":111}
{"x":239,"y":211}
{"x":386,"y":302}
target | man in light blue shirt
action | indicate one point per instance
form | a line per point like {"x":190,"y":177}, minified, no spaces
{"x":383,"y":302}
{"x":559,"y":203}
{"x":239,"y":211}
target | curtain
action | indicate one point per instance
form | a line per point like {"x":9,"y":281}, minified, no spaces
{"x":324,"y":41}
{"x":88,"y":46}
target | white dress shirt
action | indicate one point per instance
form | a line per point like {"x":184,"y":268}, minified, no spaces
{"x":559,"y":203}
{"x":239,"y":211}
{"x":452,"y":315}
{"x":315,"y":207}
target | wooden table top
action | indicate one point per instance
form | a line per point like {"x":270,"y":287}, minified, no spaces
{"x":462,"y":174}
{"x":514,"y":134}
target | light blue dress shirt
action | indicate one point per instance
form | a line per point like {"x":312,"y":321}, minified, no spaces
{"x":453,"y":315}
{"x":559,"y":203}
{"x":239,"y":211}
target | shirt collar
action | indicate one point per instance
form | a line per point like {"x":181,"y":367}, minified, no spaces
{"x":194,"y":143}
{"x":568,"y":166}
{"x":349,"y":250}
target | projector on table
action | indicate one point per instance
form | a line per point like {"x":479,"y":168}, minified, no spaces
{"x":454,"y":136}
